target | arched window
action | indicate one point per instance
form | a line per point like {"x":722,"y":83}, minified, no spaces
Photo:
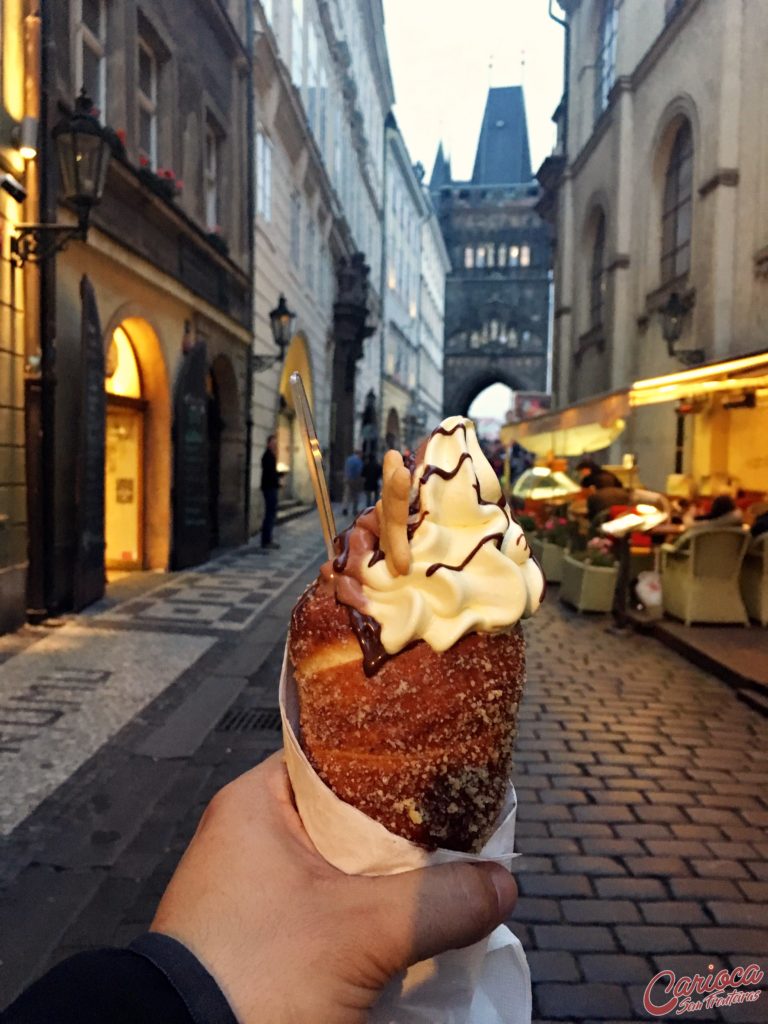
{"x":677,"y":209}
{"x":605,"y":65}
{"x":597,"y":275}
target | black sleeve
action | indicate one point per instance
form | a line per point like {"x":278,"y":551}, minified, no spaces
{"x":155,"y":981}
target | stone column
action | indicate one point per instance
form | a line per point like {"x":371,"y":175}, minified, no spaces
{"x":350,"y":312}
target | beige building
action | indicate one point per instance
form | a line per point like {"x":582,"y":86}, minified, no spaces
{"x":435,"y":264}
{"x":659,"y":192}
{"x":13,"y":509}
{"x":323,"y":89}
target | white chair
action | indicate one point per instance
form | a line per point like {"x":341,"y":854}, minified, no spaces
{"x":754,"y":579}
{"x":700,"y":576}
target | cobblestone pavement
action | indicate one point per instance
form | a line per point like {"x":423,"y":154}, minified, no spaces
{"x":641,"y":781}
{"x":643,"y":788}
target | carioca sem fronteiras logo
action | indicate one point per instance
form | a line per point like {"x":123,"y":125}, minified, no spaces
{"x":701,"y":992}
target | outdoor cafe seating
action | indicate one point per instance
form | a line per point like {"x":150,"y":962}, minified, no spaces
{"x":754,"y":579}
{"x":700,"y":576}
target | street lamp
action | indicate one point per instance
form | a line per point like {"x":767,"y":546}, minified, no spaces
{"x":84,"y":147}
{"x":673,"y":314}
{"x":281,"y":319}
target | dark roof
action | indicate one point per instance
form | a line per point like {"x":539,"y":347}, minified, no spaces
{"x":503,"y":156}
{"x":441,"y":171}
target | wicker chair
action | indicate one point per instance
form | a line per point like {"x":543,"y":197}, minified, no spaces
{"x":754,"y":579}
{"x":700,"y":576}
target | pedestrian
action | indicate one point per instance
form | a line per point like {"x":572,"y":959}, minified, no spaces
{"x":270,"y":485}
{"x":353,"y":482}
{"x":371,"y":478}
{"x":256,"y":927}
{"x":723,"y":513}
{"x":592,"y":474}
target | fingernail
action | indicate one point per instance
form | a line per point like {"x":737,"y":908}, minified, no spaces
{"x":506,"y":888}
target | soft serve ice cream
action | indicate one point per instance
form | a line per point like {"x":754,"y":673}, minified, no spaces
{"x":471,"y":567}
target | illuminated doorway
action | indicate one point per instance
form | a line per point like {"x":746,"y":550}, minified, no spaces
{"x":290,"y":453}
{"x":124,"y":457}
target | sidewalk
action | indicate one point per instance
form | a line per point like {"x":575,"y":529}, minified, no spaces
{"x":103,"y":728}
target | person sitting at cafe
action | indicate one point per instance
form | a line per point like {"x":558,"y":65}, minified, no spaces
{"x":723,"y":513}
{"x":760,"y":524}
{"x":592,"y":474}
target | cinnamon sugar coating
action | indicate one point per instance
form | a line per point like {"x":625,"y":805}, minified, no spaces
{"x":425,"y":745}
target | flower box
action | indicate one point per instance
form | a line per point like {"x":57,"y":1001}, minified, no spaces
{"x":550,"y":558}
{"x":588,"y":588}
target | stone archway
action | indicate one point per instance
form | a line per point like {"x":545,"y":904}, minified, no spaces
{"x":152,"y":488}
{"x":461,"y":393}
{"x":226,"y":455}
{"x":297,"y":483}
{"x":392,"y":437}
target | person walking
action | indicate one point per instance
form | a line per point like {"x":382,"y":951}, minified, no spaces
{"x":353,"y":482}
{"x":371,"y":478}
{"x":270,"y":485}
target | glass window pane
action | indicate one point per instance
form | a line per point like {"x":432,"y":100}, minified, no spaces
{"x":683,"y":260}
{"x":92,"y":76}
{"x":145,"y":132}
{"x":92,"y":16}
{"x":514,"y":255}
{"x":146,"y":77}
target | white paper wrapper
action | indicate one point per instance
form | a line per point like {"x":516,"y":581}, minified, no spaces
{"x":488,"y":983}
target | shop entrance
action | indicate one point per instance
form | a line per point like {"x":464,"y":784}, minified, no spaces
{"x":124,"y":457}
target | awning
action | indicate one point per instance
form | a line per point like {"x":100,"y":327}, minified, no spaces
{"x":595,"y":423}
{"x":585,"y":427}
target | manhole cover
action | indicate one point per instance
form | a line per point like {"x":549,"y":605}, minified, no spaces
{"x":250,"y":720}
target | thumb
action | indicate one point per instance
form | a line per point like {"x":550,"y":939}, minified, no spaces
{"x":445,"y":907}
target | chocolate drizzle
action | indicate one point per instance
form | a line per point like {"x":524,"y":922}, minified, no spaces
{"x":368,"y":633}
{"x":446,"y":474}
{"x":498,"y":537}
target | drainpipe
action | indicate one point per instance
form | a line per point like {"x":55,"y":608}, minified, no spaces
{"x":251,"y":215}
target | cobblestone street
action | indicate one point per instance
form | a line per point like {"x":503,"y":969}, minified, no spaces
{"x":641,"y":781}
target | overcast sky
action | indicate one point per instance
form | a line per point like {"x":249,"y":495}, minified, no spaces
{"x":444,"y":54}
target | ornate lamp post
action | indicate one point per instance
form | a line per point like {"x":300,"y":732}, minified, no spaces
{"x":84,"y":147}
{"x":673,"y":314}
{"x":281,"y":320}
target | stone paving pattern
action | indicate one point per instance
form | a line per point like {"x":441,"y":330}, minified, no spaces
{"x":643,"y":789}
{"x":642,"y":815}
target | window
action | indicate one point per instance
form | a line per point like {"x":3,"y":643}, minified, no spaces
{"x":597,"y":275}
{"x":605,"y":65}
{"x":296,"y":228}
{"x":525,"y":256}
{"x":211,"y":175}
{"x":677,"y":210}
{"x":309,"y":255}
{"x":263,"y":176}
{"x":266,"y":6}
{"x":312,"y":78}
{"x":491,"y":255}
{"x":90,"y":52}
{"x":147,"y":102}
{"x":502,"y":255}
{"x":322,"y":103}
{"x":297,"y":43}
{"x":480,"y":257}
{"x":469,"y":257}
{"x":514,"y":255}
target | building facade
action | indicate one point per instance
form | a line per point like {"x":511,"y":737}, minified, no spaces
{"x":14,"y":107}
{"x":323,"y":89}
{"x":435,"y":265}
{"x":407,"y":210}
{"x":660,"y":201}
{"x":497,"y":291}
{"x":153,"y":309}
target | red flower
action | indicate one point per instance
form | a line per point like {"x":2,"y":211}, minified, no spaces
{"x":144,"y":161}
{"x":120,"y":133}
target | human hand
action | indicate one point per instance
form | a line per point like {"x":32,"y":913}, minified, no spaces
{"x":290,"y":938}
